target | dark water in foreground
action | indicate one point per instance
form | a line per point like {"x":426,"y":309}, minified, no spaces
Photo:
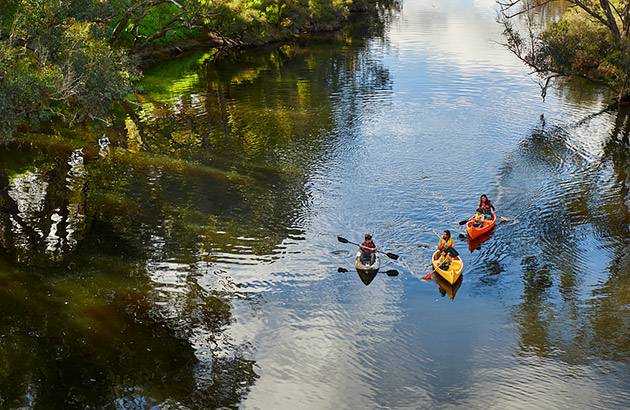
{"x":187,"y":256}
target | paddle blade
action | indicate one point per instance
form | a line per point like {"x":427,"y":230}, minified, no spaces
{"x":342,"y":240}
{"x":342,"y":270}
{"x":429,"y":276}
{"x":392,"y":255}
{"x":392,"y":272}
{"x":463,"y":222}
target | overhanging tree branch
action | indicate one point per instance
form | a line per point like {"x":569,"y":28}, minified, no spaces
{"x":570,"y":48}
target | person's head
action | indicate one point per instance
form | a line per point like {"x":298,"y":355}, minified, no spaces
{"x":479,"y":210}
{"x":368,"y":237}
{"x":444,"y":252}
{"x":447,"y":234}
{"x":484,"y":199}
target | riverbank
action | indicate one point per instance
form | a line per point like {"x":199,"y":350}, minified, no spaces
{"x":208,"y":41}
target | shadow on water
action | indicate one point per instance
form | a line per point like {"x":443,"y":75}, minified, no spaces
{"x":475,"y":244}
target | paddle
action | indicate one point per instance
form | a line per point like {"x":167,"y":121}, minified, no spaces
{"x":391,"y":272}
{"x":466,"y":220}
{"x":430,"y":274}
{"x":391,"y":255}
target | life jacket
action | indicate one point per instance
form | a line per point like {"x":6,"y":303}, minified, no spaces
{"x":479,"y":218}
{"x":443,"y":260}
{"x":365,"y":247}
{"x":487,"y":207}
{"x":448,"y":243}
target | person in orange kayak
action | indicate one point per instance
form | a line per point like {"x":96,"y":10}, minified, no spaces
{"x":486,"y":206}
{"x":368,"y":249}
{"x":479,"y":218}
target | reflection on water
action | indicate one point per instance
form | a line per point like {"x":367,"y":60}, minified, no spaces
{"x":446,"y":288}
{"x":475,"y":244}
{"x":187,"y":256}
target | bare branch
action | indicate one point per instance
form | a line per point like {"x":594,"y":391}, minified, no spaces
{"x":506,"y":6}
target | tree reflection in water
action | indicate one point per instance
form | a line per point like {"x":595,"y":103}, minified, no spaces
{"x":572,"y":237}
{"x":110,"y":295}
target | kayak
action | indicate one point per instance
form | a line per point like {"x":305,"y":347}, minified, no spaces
{"x":366,"y":276}
{"x":475,"y":231}
{"x":366,"y":266}
{"x":454,"y":271}
{"x":476,"y":242}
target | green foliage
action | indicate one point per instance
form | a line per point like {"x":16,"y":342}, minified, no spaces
{"x":70,"y":59}
{"x":590,"y":41}
{"x":577,"y":45}
{"x":55,"y":63}
{"x":24,"y":90}
{"x":93,"y":74}
{"x":152,"y":22}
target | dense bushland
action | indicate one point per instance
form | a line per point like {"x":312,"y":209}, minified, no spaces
{"x":71,"y":59}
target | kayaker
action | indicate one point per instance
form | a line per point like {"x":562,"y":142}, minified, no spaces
{"x":368,"y":249}
{"x":444,"y":260}
{"x":446,"y":241}
{"x":486,"y":206}
{"x":479,"y":218}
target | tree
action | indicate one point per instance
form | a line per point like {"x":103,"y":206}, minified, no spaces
{"x":55,"y":62}
{"x":589,"y":40}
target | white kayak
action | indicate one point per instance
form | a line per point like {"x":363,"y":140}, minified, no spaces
{"x":366,"y":266}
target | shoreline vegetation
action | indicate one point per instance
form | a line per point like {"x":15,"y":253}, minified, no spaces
{"x":70,"y":61}
{"x":584,"y":39}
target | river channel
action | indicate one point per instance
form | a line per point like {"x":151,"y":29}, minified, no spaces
{"x":187,"y":255}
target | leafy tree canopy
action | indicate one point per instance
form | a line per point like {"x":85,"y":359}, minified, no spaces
{"x":71,"y":59}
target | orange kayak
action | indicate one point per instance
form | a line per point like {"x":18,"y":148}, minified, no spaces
{"x":475,"y":231}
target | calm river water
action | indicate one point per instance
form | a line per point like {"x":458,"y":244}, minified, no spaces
{"x":187,"y":257}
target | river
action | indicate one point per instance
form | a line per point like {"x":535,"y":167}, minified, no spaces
{"x":187,"y":256}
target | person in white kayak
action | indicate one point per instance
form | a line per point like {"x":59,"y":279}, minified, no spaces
{"x":368,"y":249}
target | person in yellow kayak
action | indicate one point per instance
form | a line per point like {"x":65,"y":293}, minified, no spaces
{"x":368,"y":249}
{"x":486,"y":207}
{"x":446,"y":241}
{"x":444,"y":260}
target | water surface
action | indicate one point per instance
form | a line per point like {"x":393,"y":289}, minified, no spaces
{"x":187,"y":257}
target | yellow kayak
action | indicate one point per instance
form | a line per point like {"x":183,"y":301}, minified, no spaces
{"x":454,"y":271}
